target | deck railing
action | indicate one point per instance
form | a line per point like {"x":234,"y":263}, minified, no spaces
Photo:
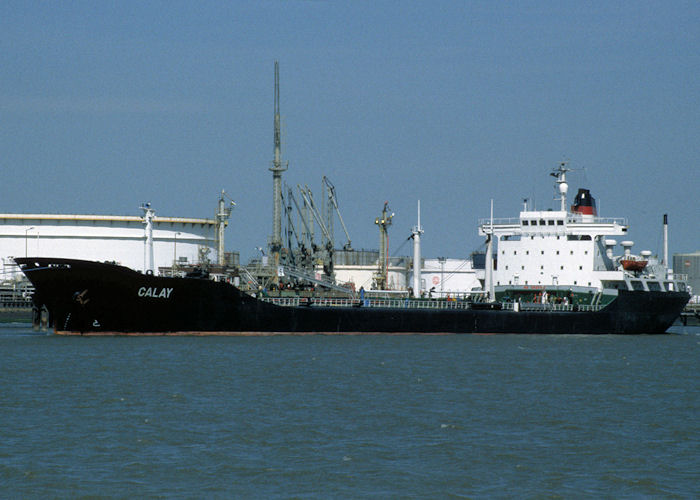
{"x":420,"y":304}
{"x":536,"y":306}
{"x":571,"y":218}
{"x":386,"y":303}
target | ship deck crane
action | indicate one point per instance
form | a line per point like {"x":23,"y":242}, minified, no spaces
{"x":332,"y":202}
{"x":304,"y":243}
{"x":290,"y":230}
{"x":306,"y":235}
{"x":327,"y":236}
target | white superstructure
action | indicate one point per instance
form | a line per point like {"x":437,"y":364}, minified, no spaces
{"x":551,"y":248}
{"x":569,"y":251}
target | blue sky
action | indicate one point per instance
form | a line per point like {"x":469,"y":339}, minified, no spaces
{"x":105,"y":105}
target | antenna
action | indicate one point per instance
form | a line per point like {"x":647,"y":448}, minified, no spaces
{"x":562,"y":186}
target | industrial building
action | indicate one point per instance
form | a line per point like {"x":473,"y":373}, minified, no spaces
{"x":689,"y":264}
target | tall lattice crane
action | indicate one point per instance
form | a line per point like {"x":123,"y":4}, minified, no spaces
{"x":278,"y":166}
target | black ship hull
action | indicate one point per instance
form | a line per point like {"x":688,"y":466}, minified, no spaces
{"x":92,"y":298}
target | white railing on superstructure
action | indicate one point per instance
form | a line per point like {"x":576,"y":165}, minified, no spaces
{"x":570,"y":218}
{"x":578,"y":219}
{"x":507,"y":221}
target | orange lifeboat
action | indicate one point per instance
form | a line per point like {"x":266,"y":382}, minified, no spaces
{"x":633,"y":265}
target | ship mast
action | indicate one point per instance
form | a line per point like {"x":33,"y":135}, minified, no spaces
{"x":417,"y":231}
{"x":148,"y":214}
{"x":383,"y":221}
{"x":667,"y":267}
{"x":562,"y":186}
{"x":488,"y":277}
{"x":222,"y":215}
{"x":277,"y":168}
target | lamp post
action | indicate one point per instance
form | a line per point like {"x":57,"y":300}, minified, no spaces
{"x":175,"y":253}
{"x":25,"y":239}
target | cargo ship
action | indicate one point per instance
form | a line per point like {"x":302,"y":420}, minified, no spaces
{"x":554,"y":272}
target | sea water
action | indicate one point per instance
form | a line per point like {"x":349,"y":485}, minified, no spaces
{"x":461,"y":416}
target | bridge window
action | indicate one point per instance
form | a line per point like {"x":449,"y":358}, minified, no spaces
{"x":654,"y":286}
{"x":637,"y":285}
{"x":550,"y":222}
{"x":560,"y":223}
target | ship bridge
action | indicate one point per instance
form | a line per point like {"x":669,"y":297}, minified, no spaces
{"x":531,"y":223}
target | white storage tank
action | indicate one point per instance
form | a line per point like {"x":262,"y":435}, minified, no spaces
{"x":106,"y":238}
